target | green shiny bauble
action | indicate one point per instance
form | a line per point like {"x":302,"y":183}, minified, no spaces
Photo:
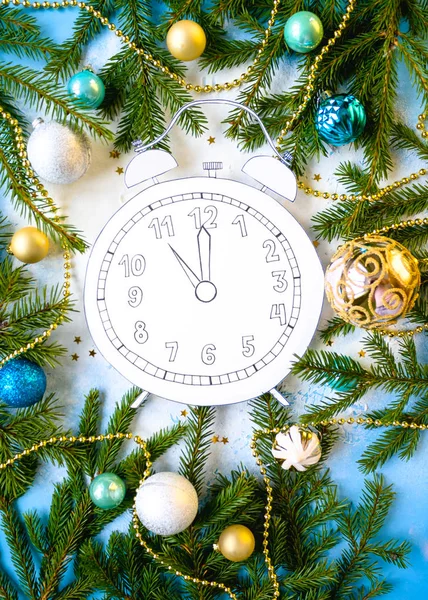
{"x":107,"y":490}
{"x":87,"y":88}
{"x":340,"y":119}
{"x":303,"y":31}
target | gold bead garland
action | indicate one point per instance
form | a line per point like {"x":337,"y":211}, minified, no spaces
{"x":43,"y":193}
{"x":255,"y":452}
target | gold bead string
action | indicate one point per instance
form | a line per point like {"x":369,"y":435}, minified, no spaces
{"x":313,"y":73}
{"x":148,"y":57}
{"x":363,"y":197}
{"x":39,"y":192}
{"x":253,"y":445}
{"x":420,"y":125}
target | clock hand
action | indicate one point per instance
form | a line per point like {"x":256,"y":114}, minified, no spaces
{"x":194,"y":279}
{"x":204,"y":247}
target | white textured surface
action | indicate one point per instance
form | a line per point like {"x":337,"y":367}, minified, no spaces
{"x":166,"y":503}
{"x":57,"y":153}
{"x":90,"y":202}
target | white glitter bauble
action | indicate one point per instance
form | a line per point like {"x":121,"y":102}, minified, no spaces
{"x":57,"y":153}
{"x":166,"y":503}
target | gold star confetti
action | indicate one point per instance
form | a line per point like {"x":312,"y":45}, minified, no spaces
{"x":316,"y":243}
{"x":225,"y":440}
{"x":362,"y":353}
{"x":329,"y":343}
{"x":211,"y":140}
{"x":77,"y":339}
{"x":75,"y":357}
{"x":34,"y":194}
{"x":119,"y":170}
{"x":215,"y":439}
{"x":114,"y":154}
{"x":184,"y":413}
{"x":92,"y":353}
{"x":317,"y":177}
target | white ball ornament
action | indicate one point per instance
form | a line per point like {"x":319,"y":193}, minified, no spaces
{"x":166,"y":503}
{"x":57,"y":153}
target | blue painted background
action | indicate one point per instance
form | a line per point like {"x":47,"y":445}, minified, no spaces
{"x":409,"y":516}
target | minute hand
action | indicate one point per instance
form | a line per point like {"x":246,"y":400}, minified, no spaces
{"x":204,"y":247}
{"x":194,"y":279}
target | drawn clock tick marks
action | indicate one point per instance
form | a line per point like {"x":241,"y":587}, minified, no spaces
{"x":134,"y":266}
{"x":196,"y":295}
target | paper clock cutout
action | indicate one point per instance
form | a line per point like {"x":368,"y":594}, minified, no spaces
{"x":202,"y":290}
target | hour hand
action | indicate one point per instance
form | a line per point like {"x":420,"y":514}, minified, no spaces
{"x":194,"y":279}
{"x":204,"y":247}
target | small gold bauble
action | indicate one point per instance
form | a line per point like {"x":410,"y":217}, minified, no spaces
{"x":186,"y":40}
{"x":29,"y":245}
{"x":236,"y":543}
{"x":372,"y":281}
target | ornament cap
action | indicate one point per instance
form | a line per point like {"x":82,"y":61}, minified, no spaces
{"x":38,"y":121}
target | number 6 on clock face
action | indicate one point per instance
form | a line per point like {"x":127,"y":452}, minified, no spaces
{"x":203,"y":290}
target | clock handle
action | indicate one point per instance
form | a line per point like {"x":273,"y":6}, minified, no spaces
{"x":278,"y":396}
{"x":285,"y":158}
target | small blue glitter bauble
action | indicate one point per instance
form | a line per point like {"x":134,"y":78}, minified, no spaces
{"x":22,"y":383}
{"x":340,"y":119}
{"x":88,"y":88}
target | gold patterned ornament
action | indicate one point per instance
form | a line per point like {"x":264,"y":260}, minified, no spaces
{"x":372,"y":281}
{"x":236,"y":543}
{"x":298,"y":448}
{"x":186,"y":40}
{"x":29,"y":245}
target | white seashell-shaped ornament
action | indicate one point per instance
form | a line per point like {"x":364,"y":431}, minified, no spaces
{"x":297,"y":448}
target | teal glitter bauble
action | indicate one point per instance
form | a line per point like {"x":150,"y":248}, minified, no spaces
{"x":88,"y":88}
{"x":22,"y":383}
{"x":303,"y":31}
{"x":107,"y":490}
{"x":340,"y":119}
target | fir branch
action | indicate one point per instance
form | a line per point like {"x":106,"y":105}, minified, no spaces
{"x":197,"y":444}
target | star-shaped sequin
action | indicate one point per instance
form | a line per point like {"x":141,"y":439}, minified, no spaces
{"x":225,"y":440}
{"x":329,"y":343}
{"x":92,"y":353}
{"x":362,"y":353}
{"x":119,"y":170}
{"x":317,"y":177}
{"x":77,"y":339}
{"x":114,"y":154}
{"x":75,"y":357}
{"x":211,"y":140}
{"x":184,"y":413}
{"x":215,"y":439}
{"x":315,"y":243}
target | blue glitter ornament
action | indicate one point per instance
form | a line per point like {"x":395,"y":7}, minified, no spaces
{"x":22,"y":383}
{"x":340,"y":119}
{"x":88,"y":88}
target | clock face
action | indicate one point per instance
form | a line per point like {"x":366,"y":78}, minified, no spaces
{"x":202,"y":290}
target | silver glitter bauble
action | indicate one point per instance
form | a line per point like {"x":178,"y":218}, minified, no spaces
{"x":166,"y":503}
{"x":57,"y":153}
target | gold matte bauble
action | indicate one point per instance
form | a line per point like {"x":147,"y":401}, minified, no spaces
{"x":372,"y":281}
{"x":236,"y":543}
{"x":186,"y":40}
{"x":29,"y":245}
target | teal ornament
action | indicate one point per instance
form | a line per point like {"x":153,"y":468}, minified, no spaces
{"x":87,"y":88}
{"x":22,"y":383}
{"x":303,"y":31}
{"x":340,"y":119}
{"x":107,"y":490}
